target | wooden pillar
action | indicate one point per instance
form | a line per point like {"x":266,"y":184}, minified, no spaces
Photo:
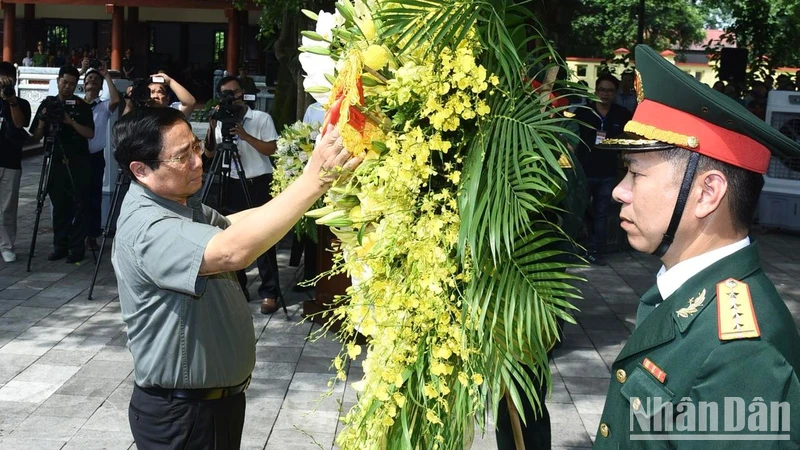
{"x":117,"y":17}
{"x":232,"y":41}
{"x":9,"y":16}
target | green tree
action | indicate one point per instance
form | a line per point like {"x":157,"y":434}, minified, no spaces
{"x":601,"y":26}
{"x":769,"y":29}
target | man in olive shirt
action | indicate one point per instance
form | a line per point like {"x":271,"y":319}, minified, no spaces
{"x":69,"y":173}
{"x":189,"y":331}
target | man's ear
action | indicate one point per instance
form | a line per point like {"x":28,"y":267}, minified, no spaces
{"x":713,"y":186}
{"x":139,"y":170}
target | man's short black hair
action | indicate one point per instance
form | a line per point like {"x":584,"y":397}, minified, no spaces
{"x":139,"y":136}
{"x":744,"y":186}
{"x":8,"y":70}
{"x":225,"y":80}
{"x":68,"y":70}
{"x":607,"y":77}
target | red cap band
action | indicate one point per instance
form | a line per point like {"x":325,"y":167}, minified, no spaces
{"x":715,"y":142}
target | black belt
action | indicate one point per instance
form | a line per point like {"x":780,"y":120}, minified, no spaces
{"x":197,"y":394}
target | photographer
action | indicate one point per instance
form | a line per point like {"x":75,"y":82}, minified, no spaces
{"x":159,"y":96}
{"x":71,"y":118}
{"x":255,"y":137}
{"x":101,"y":112}
{"x":15,"y":114}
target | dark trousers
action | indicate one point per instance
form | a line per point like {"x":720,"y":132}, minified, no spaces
{"x":306,"y":248}
{"x":600,"y":190}
{"x":97,"y":166}
{"x":69,"y":204}
{"x":166,"y":423}
{"x":258,"y":187}
{"x":536,"y":434}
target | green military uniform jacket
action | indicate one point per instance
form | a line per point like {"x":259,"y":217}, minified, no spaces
{"x":681,"y":358}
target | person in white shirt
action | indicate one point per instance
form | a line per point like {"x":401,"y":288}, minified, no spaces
{"x":27,"y":61}
{"x":101,"y":112}
{"x":159,"y":95}
{"x":255,"y":138}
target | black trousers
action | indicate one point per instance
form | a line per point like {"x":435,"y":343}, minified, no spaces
{"x":165,"y":423}
{"x":259,"y":190}
{"x":69,"y":203}
{"x":536,"y":434}
{"x":97,"y":166}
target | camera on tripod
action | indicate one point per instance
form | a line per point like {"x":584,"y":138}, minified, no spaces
{"x":229,"y":113}
{"x":54,"y":111}
{"x":140,"y":94}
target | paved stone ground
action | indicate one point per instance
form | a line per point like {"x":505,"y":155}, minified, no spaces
{"x":66,"y":375}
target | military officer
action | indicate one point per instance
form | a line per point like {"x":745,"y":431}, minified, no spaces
{"x":714,"y":359}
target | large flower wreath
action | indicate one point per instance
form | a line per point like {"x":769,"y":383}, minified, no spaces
{"x":458,"y":279}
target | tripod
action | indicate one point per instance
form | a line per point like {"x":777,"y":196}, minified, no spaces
{"x":51,"y":144}
{"x":228,"y":152}
{"x":122,"y":180}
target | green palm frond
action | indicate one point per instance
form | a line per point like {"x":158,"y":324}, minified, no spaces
{"x":429,"y":23}
{"x":516,"y":307}
{"x":512,"y":171}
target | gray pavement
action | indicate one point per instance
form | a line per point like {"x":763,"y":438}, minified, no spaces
{"x":66,"y":375}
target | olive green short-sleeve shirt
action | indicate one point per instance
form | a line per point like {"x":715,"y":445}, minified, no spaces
{"x":185,"y":331}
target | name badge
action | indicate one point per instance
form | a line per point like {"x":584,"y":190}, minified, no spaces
{"x":69,"y":102}
{"x":601,"y":135}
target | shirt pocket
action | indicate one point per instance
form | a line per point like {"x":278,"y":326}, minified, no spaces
{"x":646,"y":395}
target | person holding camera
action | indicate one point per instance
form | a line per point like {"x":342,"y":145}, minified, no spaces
{"x":101,"y":113}
{"x":255,"y":138}
{"x":15,"y":114}
{"x":70,"y":118}
{"x":189,"y":332}
{"x":159,"y":85}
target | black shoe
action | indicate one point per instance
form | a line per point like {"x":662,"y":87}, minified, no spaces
{"x":299,"y":288}
{"x":74,"y":257}
{"x":56,"y":255}
{"x":595,"y":259}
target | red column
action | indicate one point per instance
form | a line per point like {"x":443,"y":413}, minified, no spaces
{"x":9,"y":15}
{"x":232,"y":42}
{"x":117,"y":18}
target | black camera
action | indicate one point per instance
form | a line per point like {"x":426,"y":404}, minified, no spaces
{"x":95,"y":64}
{"x":140,"y":94}
{"x":228,"y":113}
{"x":54,"y":111}
{"x":8,"y":91}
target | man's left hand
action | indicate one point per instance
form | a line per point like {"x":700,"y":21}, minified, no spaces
{"x":7,"y":81}
{"x":238,"y":131}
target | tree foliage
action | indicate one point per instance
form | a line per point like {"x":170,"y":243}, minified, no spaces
{"x":598,"y":27}
{"x":769,"y":29}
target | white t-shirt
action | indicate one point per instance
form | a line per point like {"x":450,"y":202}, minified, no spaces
{"x":101,"y":113}
{"x":315,"y":114}
{"x":259,"y":125}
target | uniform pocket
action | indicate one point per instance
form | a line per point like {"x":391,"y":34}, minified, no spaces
{"x":646,"y":395}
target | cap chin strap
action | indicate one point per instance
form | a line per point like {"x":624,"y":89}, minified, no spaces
{"x":683,"y":196}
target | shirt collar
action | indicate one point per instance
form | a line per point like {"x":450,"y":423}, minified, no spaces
{"x":141,"y":192}
{"x":669,"y":281}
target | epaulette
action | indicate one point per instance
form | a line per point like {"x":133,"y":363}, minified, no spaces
{"x":736,"y":317}
{"x":569,"y":115}
{"x":564,"y":162}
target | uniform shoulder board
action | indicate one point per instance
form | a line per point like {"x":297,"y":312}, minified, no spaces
{"x":736,"y":317}
{"x":564,"y":162}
